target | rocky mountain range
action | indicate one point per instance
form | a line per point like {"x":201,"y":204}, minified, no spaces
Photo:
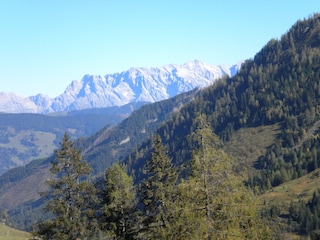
{"x":134,"y":85}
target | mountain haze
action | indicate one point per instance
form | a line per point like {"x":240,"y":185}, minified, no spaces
{"x":134,"y":85}
{"x":29,"y":136}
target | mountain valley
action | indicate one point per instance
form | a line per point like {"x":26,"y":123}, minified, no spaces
{"x":27,"y":136}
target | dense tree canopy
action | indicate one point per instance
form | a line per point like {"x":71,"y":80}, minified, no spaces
{"x":210,"y":202}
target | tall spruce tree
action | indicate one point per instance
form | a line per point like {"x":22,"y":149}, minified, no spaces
{"x":157,"y":193}
{"x":118,"y":203}
{"x":213,"y":202}
{"x":71,"y":197}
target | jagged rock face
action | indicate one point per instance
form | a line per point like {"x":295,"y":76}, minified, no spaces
{"x":134,"y":85}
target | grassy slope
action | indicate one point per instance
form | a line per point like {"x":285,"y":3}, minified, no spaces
{"x":247,"y":144}
{"x":26,"y":190}
{"x":282,"y":195}
{"x":301,"y":188}
{"x":42,"y":144}
{"x":8,"y":233}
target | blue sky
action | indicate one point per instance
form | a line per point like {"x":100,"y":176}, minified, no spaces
{"x":45,"y":44}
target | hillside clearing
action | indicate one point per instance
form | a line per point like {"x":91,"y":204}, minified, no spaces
{"x":8,"y":233}
{"x":247,"y":144}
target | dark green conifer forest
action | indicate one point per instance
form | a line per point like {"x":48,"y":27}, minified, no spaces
{"x":211,"y":202}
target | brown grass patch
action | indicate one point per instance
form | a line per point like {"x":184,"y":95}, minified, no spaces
{"x":301,"y":188}
{"x":247,"y":144}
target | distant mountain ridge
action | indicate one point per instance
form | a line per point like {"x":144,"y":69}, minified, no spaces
{"x":134,"y":85}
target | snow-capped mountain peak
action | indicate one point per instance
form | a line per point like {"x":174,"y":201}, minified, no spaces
{"x":134,"y":85}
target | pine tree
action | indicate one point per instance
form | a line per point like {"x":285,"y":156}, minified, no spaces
{"x":118,"y":203}
{"x":71,"y":197}
{"x":157,"y":193}
{"x":214,"y":202}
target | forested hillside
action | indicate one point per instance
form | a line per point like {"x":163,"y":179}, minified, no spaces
{"x":281,"y":86}
{"x":108,"y":145}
